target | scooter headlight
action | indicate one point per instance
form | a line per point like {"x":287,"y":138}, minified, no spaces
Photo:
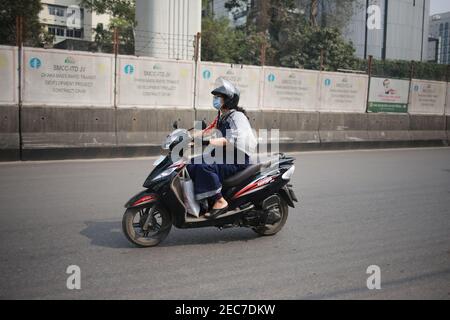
{"x":165,"y":173}
{"x":158,"y":161}
{"x":288,"y":174}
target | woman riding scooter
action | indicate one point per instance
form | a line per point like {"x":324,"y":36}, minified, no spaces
{"x":236,"y":138}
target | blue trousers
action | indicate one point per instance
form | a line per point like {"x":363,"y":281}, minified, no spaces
{"x":208,"y":178}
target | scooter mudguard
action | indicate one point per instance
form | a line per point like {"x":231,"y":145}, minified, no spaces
{"x":142,"y":198}
{"x":288,"y":195}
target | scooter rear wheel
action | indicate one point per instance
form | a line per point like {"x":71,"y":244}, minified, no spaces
{"x":160,"y":223}
{"x":271,"y":229}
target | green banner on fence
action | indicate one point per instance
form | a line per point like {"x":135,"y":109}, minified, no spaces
{"x":387,"y":107}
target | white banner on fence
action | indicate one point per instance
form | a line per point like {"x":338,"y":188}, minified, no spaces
{"x":67,"y":78}
{"x":290,"y":89}
{"x":343,"y":92}
{"x":146,"y":82}
{"x":427,"y":97}
{"x":8,"y":75}
{"x":245,"y":78}
{"x":388,"y":95}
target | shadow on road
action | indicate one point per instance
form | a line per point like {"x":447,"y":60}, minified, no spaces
{"x":207,"y":236}
{"x":106,"y":234}
{"x":109,"y":234}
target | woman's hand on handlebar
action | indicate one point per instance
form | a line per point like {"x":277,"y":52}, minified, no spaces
{"x":218,"y":142}
{"x":196,"y":133}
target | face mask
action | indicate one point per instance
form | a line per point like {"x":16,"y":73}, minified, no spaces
{"x":217,"y":103}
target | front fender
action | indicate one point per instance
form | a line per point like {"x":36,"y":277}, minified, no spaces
{"x":142,"y":198}
{"x":288,"y":195}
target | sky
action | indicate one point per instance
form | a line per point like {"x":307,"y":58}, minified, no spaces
{"x":439,"y":6}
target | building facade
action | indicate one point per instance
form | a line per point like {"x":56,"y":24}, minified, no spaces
{"x":401,"y":32}
{"x":64,"y":19}
{"x":440,"y":34}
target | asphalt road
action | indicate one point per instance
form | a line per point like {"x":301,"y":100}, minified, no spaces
{"x":389,"y":208}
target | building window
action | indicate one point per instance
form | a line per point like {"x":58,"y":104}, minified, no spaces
{"x":56,"y":31}
{"x":56,"y":11}
{"x":74,"y":33}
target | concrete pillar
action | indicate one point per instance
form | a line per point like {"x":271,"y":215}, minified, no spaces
{"x":166,"y":28}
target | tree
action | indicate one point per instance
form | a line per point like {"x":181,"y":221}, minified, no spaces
{"x":329,"y":13}
{"x":103,"y":38}
{"x":219,"y":40}
{"x":264,"y":20}
{"x":123,"y":19}
{"x":33,"y":33}
{"x":122,"y":9}
{"x":302,"y":49}
{"x":295,"y":32}
{"x":321,"y":13}
{"x":313,"y":12}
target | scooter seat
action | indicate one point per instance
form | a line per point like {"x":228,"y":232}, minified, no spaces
{"x":241,"y":176}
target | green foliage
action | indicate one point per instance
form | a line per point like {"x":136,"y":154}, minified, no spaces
{"x":391,"y":68}
{"x":250,"y":46}
{"x":33,"y":34}
{"x":123,"y":18}
{"x":123,"y":9}
{"x":103,"y":38}
{"x":302,"y":48}
{"x":430,"y":71}
{"x":331,"y":13}
{"x":220,"y":42}
{"x":402,"y":69}
{"x":286,"y":33}
{"x":298,"y":42}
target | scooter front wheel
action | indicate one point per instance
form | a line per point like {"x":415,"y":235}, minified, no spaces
{"x":146,"y":227}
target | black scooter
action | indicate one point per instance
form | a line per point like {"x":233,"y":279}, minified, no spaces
{"x":258,"y":197}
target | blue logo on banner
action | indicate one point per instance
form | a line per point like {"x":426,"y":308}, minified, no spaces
{"x":129,"y":69}
{"x":328,"y":82}
{"x":35,"y":63}
{"x":206,"y":74}
{"x":271,"y":77}
{"x":416,"y":88}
